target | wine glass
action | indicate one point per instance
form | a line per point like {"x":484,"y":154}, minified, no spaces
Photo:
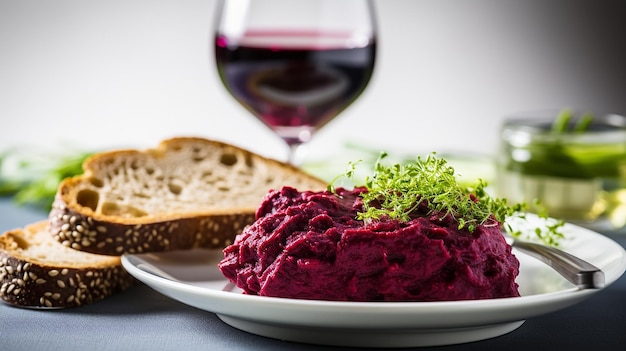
{"x":295,"y":64}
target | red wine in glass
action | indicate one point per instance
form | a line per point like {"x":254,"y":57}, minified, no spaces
{"x":294,"y":81}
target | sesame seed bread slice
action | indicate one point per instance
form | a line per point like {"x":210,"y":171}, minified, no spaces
{"x":185,"y":193}
{"x":37,"y":271}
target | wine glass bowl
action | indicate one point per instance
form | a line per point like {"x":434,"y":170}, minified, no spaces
{"x":295,"y":65}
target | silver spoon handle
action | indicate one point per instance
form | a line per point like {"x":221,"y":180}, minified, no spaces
{"x":578,"y":271}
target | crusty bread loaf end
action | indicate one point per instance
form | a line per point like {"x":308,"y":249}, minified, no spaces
{"x":36,"y":271}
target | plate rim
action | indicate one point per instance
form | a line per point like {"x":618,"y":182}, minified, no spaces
{"x":389,"y":315}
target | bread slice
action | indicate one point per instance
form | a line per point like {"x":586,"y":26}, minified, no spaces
{"x":37,"y":271}
{"x":185,"y":193}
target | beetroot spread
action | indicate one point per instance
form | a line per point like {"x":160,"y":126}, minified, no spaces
{"x":309,"y":245}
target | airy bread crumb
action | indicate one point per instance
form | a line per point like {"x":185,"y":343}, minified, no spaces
{"x":186,"y":192}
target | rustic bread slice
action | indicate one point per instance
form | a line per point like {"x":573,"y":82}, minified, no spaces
{"x":185,"y":193}
{"x":37,"y":271}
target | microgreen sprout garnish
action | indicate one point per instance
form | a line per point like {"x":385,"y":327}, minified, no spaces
{"x":349,"y":174}
{"x":549,"y":233}
{"x":399,"y":191}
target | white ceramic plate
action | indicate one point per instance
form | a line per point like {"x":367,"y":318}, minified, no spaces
{"x":193,"y":278}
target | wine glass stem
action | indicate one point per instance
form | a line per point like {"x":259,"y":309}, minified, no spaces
{"x":292,"y":157}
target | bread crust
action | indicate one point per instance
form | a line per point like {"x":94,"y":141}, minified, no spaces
{"x":87,"y":228}
{"x":110,"y":236}
{"x":35,"y":283}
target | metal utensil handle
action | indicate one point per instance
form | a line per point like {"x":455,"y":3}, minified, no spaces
{"x":578,"y":271}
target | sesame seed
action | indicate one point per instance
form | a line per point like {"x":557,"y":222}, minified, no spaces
{"x":61,"y":284}
{"x":64,"y":271}
{"x":40,"y":281}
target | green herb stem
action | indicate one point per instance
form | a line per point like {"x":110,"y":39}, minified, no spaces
{"x":562,"y":120}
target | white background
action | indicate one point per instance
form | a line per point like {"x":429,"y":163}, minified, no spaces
{"x":103,"y":74}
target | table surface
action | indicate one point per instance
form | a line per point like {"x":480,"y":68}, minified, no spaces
{"x":142,"y":319}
